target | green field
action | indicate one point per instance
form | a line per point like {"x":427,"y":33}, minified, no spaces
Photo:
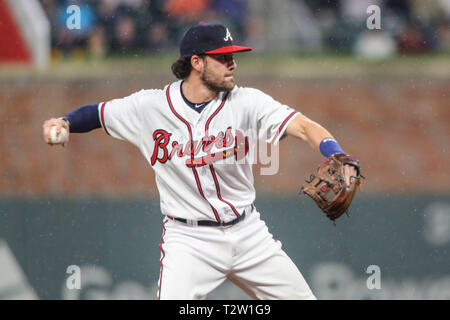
{"x":249,"y":65}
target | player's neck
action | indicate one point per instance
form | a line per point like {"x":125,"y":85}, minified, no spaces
{"x":195,"y":91}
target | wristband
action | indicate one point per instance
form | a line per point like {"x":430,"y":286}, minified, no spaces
{"x":329,"y":146}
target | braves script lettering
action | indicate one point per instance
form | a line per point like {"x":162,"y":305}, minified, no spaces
{"x":192,"y":148}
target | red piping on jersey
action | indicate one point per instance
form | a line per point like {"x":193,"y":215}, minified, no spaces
{"x":216,"y":181}
{"x":102,"y":117}
{"x":160,"y":261}
{"x":192,"y":155}
{"x":282,"y":125}
{"x":215,"y":113}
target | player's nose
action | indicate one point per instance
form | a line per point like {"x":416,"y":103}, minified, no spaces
{"x":232,"y":65}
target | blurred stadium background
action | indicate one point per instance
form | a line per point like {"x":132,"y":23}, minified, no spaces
{"x":383,"y":93}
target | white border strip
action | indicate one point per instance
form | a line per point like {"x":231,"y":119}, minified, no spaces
{"x":35,"y":28}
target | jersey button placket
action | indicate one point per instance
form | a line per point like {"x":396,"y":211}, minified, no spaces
{"x":198,"y":134}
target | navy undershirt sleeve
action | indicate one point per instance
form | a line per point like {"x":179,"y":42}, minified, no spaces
{"x":84,"y":119}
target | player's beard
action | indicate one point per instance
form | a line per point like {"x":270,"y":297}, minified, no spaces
{"x":211,"y":81}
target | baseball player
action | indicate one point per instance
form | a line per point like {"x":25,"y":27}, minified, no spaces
{"x":195,"y":134}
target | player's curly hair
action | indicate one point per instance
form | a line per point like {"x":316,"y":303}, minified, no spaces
{"x":182,"y":67}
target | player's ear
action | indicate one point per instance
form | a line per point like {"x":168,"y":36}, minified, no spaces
{"x":197,"y":63}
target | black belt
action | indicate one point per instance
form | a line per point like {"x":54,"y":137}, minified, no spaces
{"x":210,"y":223}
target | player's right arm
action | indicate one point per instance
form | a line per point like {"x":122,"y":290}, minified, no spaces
{"x":83,"y":119}
{"x":120,"y":118}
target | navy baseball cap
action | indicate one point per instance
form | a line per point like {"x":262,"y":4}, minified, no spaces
{"x":208,"y":38}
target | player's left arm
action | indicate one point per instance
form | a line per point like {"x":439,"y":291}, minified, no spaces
{"x":307,"y":130}
{"x":318,"y":138}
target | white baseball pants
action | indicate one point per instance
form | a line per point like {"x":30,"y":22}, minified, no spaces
{"x":196,"y":260}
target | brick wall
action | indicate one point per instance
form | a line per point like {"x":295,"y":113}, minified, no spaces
{"x":398,"y":127}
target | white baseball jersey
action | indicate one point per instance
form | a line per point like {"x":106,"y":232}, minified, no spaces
{"x":198,"y":157}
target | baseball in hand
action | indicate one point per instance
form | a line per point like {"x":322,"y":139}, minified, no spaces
{"x":56,"y":138}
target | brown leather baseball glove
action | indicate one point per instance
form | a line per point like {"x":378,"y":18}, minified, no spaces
{"x":328,"y":187}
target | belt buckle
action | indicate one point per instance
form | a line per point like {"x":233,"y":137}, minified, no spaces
{"x":232,"y":222}
{"x":228,"y":224}
{"x":224,"y":224}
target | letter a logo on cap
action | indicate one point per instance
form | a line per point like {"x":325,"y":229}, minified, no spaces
{"x":228,"y":36}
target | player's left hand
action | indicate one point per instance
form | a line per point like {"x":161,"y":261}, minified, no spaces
{"x":334,"y":186}
{"x":349,"y":174}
